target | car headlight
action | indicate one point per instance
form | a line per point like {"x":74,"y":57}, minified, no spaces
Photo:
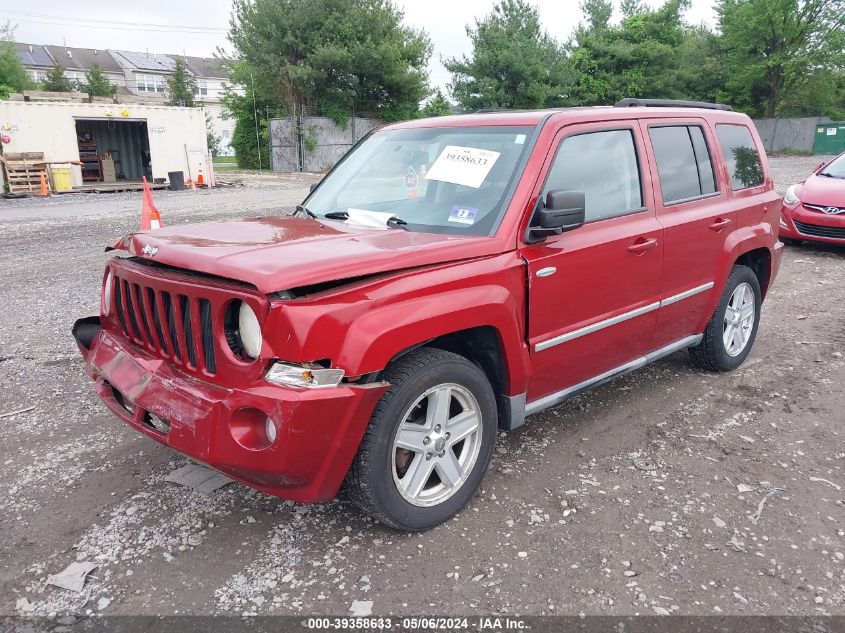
{"x":108,"y":288}
{"x":249,"y":330}
{"x":303,"y":376}
{"x":790,"y":197}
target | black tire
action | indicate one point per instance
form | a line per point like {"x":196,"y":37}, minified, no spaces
{"x":370,"y":482}
{"x":711,"y":353}
{"x":791,"y":242}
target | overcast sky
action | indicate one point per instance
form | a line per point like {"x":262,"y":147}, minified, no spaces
{"x":198,"y":27}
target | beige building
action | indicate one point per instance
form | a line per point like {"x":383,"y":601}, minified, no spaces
{"x":140,"y":75}
{"x":131,"y":140}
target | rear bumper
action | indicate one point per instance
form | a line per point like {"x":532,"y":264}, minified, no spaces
{"x":318,"y":430}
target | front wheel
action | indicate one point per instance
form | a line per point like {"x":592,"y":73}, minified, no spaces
{"x":429,"y":441}
{"x":733,"y":327}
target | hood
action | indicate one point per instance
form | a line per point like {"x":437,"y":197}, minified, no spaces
{"x":279,"y":253}
{"x":823,"y":191}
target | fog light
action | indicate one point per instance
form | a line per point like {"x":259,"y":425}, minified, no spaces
{"x":252,"y":428}
{"x":270,"y":430}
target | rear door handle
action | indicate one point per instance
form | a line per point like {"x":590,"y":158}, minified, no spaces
{"x":719,"y":224}
{"x":641,"y":245}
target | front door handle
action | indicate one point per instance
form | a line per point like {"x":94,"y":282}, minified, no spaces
{"x":641,"y":245}
{"x":719,"y":224}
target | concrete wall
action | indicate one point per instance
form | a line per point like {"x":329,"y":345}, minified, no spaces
{"x":51,"y":128}
{"x":313,"y":144}
{"x":780,"y":134}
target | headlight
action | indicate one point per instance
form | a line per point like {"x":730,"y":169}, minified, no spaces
{"x":107,"y":293}
{"x":789,"y":197}
{"x":249,"y":330}
{"x":302,"y":376}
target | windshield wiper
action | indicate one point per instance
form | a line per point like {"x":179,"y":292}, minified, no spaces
{"x":827,"y":174}
{"x":301,"y":208}
{"x":397,"y":223}
{"x":336,"y":215}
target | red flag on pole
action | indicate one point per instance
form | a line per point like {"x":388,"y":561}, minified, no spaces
{"x":150,"y":217}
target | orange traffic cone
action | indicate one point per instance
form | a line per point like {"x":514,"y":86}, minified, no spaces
{"x":200,"y":181}
{"x":150,"y":216}
{"x":44,"y":190}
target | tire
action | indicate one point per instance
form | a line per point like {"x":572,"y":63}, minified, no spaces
{"x":377,"y":482}
{"x":713,"y":353}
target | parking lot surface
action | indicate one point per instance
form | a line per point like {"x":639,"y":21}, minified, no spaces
{"x":670,"y":490}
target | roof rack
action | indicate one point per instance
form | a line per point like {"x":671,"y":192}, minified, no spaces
{"x":669,"y":103}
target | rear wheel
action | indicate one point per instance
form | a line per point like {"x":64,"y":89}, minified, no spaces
{"x":429,"y":441}
{"x":733,"y":327}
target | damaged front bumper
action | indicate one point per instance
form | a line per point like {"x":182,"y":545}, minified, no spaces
{"x":317,"y":431}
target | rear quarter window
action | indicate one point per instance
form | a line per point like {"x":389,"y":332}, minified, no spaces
{"x":744,"y":165}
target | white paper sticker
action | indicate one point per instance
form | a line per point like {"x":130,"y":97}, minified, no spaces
{"x":467,"y":166}
{"x":831,"y":131}
{"x":364,"y":217}
{"x":520,"y":139}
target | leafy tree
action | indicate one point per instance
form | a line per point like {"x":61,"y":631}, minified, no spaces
{"x":639,"y":57}
{"x":96,"y":83}
{"x":336,"y":55}
{"x":13,"y":76}
{"x":250,"y":113}
{"x":437,"y":105}
{"x":212,"y":139}
{"x":771,"y":49}
{"x":181,"y":85}
{"x":514,"y":62}
{"x":56,"y":80}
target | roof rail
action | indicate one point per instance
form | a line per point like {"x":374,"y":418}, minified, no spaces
{"x":669,"y":103}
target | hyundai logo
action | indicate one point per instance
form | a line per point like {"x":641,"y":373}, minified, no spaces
{"x":832,"y":210}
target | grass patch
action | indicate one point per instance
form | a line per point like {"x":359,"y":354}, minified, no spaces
{"x":224,"y":162}
{"x":791,"y":151}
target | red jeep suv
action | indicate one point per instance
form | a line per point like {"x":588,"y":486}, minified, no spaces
{"x":447,"y":278}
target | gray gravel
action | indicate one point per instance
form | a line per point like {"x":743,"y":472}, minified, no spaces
{"x":737,"y":507}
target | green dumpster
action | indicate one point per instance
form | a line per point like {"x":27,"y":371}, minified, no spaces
{"x":830,"y":138}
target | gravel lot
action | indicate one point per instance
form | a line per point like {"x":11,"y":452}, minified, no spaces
{"x":742,"y":515}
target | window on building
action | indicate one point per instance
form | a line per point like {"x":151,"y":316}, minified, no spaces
{"x":683,"y":162}
{"x":150,"y":83}
{"x":741,"y":156}
{"x":227,"y":133}
{"x":202,"y":87}
{"x":604,"y":166}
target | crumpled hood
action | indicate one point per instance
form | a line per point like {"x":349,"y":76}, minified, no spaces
{"x":278,"y":253}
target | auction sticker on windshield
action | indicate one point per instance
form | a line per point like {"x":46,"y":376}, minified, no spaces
{"x":467,"y":166}
{"x":463,"y":215}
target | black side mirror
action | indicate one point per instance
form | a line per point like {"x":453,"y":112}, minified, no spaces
{"x":313,"y":186}
{"x":563,"y":210}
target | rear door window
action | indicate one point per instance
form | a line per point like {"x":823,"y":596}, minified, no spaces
{"x":683,"y":162}
{"x":604,"y":166}
{"x":741,"y":156}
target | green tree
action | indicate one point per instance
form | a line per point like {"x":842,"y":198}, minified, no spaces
{"x":96,"y":83}
{"x":212,"y":139}
{"x":639,"y":57}
{"x":514,"y":63}
{"x":249,"y":110}
{"x":13,"y":76}
{"x":772,"y":49}
{"x":437,"y":105}
{"x":56,"y":80}
{"x":330,"y":55}
{"x":181,"y":85}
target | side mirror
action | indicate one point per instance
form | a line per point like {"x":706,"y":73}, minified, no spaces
{"x":313,"y":186}
{"x":818,"y":167}
{"x":563,"y":210}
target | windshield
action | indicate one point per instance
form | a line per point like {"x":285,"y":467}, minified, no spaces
{"x":438,"y":180}
{"x":836,"y":168}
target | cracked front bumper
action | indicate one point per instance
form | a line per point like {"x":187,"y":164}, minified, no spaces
{"x":318,"y":430}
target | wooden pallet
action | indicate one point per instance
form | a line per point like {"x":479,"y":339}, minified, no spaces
{"x":24,"y":172}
